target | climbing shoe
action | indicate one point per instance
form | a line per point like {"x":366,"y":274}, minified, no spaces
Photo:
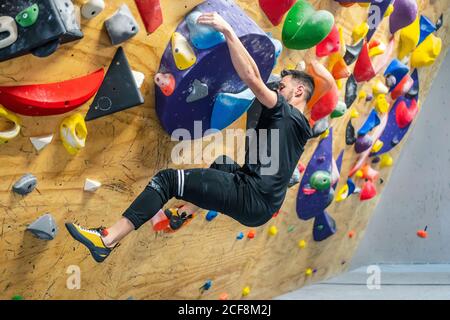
{"x":176,"y":220}
{"x":92,"y":239}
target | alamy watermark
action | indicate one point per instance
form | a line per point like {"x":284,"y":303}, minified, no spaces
{"x":374,"y":279}
{"x":205,"y":147}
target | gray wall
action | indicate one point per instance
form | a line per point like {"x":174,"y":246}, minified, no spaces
{"x":418,"y":192}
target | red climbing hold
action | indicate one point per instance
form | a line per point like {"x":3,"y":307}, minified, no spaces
{"x":403,"y":87}
{"x":326,"y":104}
{"x":151,"y":14}
{"x":166,"y":82}
{"x":363,"y":68}
{"x":301,"y":167}
{"x":422,"y":234}
{"x":251,"y":234}
{"x":368,"y":191}
{"x":52,"y":98}
{"x":330,"y":44}
{"x":404,"y":115}
{"x":276,"y":9}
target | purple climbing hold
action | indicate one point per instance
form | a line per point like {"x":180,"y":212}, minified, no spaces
{"x":376,"y":160}
{"x":405,"y":12}
{"x":363,"y":143}
{"x":328,"y":227}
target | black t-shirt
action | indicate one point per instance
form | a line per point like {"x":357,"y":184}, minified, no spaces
{"x":271,"y":161}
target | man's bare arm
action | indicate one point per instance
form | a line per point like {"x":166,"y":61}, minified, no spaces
{"x":243,"y":63}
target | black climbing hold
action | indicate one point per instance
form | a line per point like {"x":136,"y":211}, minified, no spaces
{"x":25,"y":184}
{"x":324,"y":227}
{"x":350,"y":136}
{"x":381,"y":181}
{"x":376,"y":159}
{"x":47,"y":49}
{"x":351,"y":88}
{"x":352,"y":52}
{"x":439,"y":22}
{"x":52,"y":23}
{"x":320,"y":127}
{"x":44,"y":227}
{"x":118,"y":90}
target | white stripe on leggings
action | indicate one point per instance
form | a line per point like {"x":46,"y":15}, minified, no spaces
{"x":182,"y":183}
{"x":179,"y":182}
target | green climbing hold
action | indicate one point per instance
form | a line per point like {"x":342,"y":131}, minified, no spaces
{"x":304,"y":27}
{"x":17,"y":297}
{"x":320,"y":227}
{"x":28,"y":16}
{"x":291,"y":228}
{"x":320,"y":180}
{"x":339,"y":110}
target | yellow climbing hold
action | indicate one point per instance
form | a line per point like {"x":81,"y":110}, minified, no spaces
{"x":381,"y":104}
{"x":427,"y":52}
{"x":182,"y":51}
{"x":377,"y":146}
{"x":386,"y":160}
{"x":246,"y":291}
{"x":73,"y":133}
{"x":339,"y":84}
{"x":376,"y":51}
{"x":360,"y":31}
{"x":7,"y":135}
{"x":309,"y":272}
{"x":409,"y":37}
{"x":389,"y":10}
{"x":379,"y":88}
{"x":273,"y":230}
{"x":362,"y":95}
{"x":302,"y":244}
{"x":359,"y":174}
{"x":325,"y":134}
{"x":364,"y":4}
{"x":354,"y":113}
{"x":342,"y":193}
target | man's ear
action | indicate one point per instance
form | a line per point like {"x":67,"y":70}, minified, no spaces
{"x":299,"y":90}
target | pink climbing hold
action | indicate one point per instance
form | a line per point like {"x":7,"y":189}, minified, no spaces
{"x":151,"y":14}
{"x":404,"y":115}
{"x":330,"y":44}
{"x":166,"y":82}
{"x":368,"y":191}
{"x":276,"y":9}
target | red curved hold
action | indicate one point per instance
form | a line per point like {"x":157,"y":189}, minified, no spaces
{"x":330,"y":44}
{"x":275,"y":9}
{"x":151,"y":14}
{"x":404,"y":115}
{"x":403,"y":87}
{"x":368,"y":191}
{"x":52,"y":98}
{"x":326,"y":104}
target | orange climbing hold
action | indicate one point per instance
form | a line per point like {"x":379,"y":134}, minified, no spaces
{"x":251,"y":234}
{"x":166,"y":82}
{"x":369,"y":173}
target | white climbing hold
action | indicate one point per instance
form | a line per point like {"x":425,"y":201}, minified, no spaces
{"x":138,"y":77}
{"x":8,"y":25}
{"x":91,"y":185}
{"x":92,"y":8}
{"x":39,"y":143}
{"x":301,"y":66}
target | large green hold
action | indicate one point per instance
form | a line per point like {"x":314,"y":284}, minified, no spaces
{"x":320,"y":180}
{"x":28,"y":17}
{"x":304,"y":27}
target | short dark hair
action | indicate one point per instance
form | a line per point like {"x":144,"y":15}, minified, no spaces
{"x":303,"y":78}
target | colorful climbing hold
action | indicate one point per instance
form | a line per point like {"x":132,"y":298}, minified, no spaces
{"x":91,"y":185}
{"x":73,"y":133}
{"x":166,"y":82}
{"x":354,"y":113}
{"x":368,"y":191}
{"x":17,"y":297}
{"x":240,"y":236}
{"x":26,"y":184}
{"x":326,"y":104}
{"x":202,"y":36}
{"x":404,"y":115}
{"x":273,"y":230}
{"x":302,"y":244}
{"x":121,"y":26}
{"x":360,"y":31}
{"x":422,"y":233}
{"x":223,"y":296}
{"x":7,"y":135}
{"x":352,"y":52}
{"x":323,"y":81}
{"x":339,"y":111}
{"x":41,"y":142}
{"x":369,"y":173}
{"x":351,"y":88}
{"x":377,"y":146}
{"x":363,"y":143}
{"x":350,"y":136}
{"x":320,"y":127}
{"x":304,"y":27}
{"x":397,"y":69}
{"x":211,"y":215}
{"x":251,"y":234}
{"x":309,"y":272}
{"x":379,"y":88}
{"x":28,"y":16}
{"x":409,"y":38}
{"x":363,"y":68}
{"x":276,"y":9}
{"x":320,"y":180}
{"x":228,"y":107}
{"x":330,"y":44}
{"x":371,"y":122}
{"x":427,"y":52}
{"x":381,"y":104}
{"x":44,"y":227}
{"x":151,"y":14}
{"x":386,"y":160}
{"x":402,"y":87}
{"x":206,"y":286}
{"x":183,"y":54}
{"x":351,"y":233}
{"x":405,"y":12}
{"x":246,"y":291}
{"x":426,"y":28}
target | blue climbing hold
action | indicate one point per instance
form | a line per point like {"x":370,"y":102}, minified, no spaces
{"x":372,"y":121}
{"x":202,"y":36}
{"x":206,"y":286}
{"x":324,"y":227}
{"x":211,"y":215}
{"x":351,"y":187}
{"x":228,"y":107}
{"x":397,"y":69}
{"x":426,"y":28}
{"x":240,"y":236}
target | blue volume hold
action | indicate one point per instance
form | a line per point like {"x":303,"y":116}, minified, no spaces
{"x":202,"y":36}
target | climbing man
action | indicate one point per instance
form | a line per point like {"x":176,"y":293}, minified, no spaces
{"x":245,"y":193}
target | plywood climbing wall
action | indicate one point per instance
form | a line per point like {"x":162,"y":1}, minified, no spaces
{"x":124,"y":150}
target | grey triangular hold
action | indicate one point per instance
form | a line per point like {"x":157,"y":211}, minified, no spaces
{"x":25,"y":184}
{"x":199,"y":91}
{"x":44,"y":228}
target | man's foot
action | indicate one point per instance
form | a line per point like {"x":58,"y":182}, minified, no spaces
{"x":92,"y":239}
{"x":176,"y":220}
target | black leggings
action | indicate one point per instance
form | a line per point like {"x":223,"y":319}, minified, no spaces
{"x":218,"y":188}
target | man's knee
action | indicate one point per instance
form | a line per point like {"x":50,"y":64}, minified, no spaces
{"x":166,"y":183}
